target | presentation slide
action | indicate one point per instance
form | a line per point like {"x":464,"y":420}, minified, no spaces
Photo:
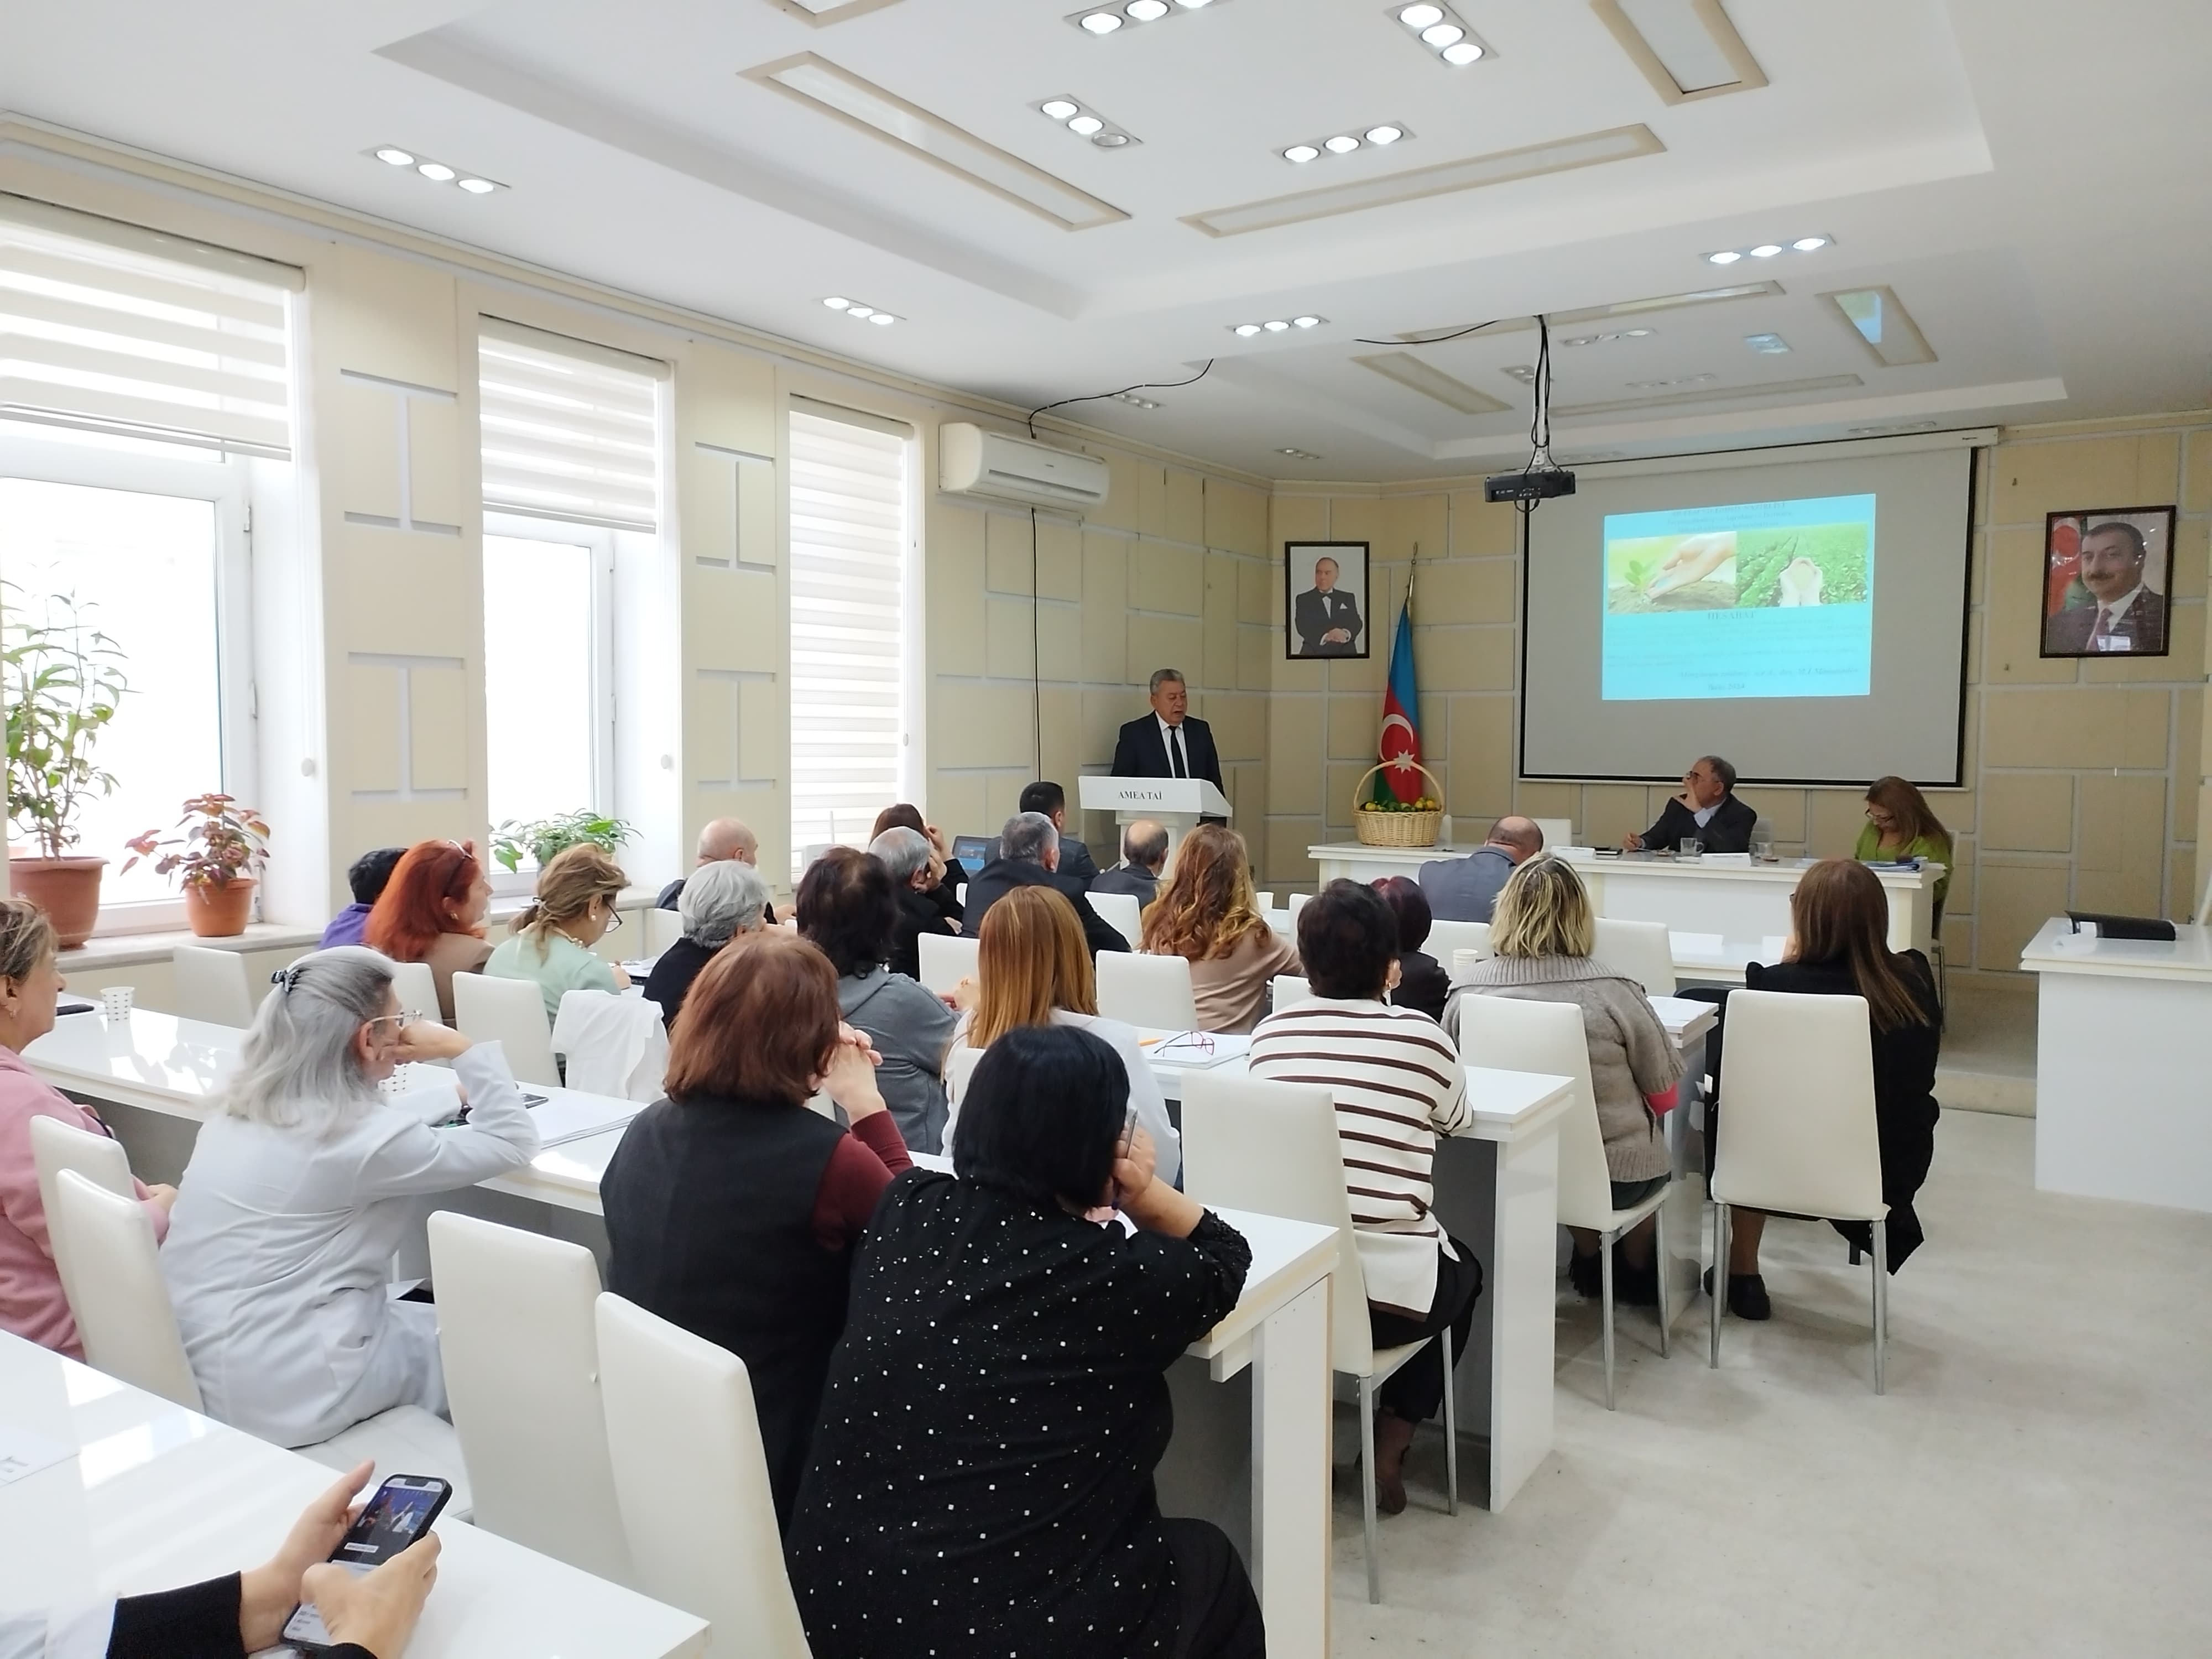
{"x":1748,"y":599}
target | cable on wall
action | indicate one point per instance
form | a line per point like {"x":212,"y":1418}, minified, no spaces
{"x":1142,"y":385}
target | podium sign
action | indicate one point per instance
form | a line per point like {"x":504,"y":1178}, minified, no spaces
{"x":1176,"y":802}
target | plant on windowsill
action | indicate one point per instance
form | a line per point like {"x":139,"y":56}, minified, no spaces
{"x":220,"y":856}
{"x":543,"y":839}
{"x":64,"y":681}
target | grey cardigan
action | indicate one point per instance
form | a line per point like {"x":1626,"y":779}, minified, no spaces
{"x":910,"y":1027}
{"x":1631,"y":1055}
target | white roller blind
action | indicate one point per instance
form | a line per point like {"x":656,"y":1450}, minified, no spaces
{"x":570,"y":429}
{"x":848,"y":577}
{"x":102,"y":336}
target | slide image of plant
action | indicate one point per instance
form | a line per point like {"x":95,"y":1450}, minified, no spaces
{"x":1779,"y":567}
{"x":1646,"y":574}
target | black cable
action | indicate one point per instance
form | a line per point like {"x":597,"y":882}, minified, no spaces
{"x":1539,"y":411}
{"x":1037,"y":658}
{"x":1439,"y":339}
{"x":1094,"y":396}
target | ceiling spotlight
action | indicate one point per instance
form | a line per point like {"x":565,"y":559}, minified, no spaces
{"x":1274,"y":325}
{"x":1808,"y":244}
{"x":1635,"y":333}
{"x":1299,"y":454}
{"x":1146,"y":12}
{"x":862,"y":311}
{"x":1466,"y":51}
{"x":1441,"y":31}
{"x":1441,"y":35}
{"x":1729,"y":256}
{"x":1103,"y":22}
{"x":1766,"y":250}
{"x":837,"y":302}
{"x":1110,"y":140}
{"x":1417,"y":17}
{"x":478,"y":186}
{"x":1059,"y":109}
{"x":1343,"y":144}
{"x":1306,"y":322}
{"x":1190,"y":5}
{"x":1724,"y":257}
{"x":1085,"y":124}
{"x":1385,"y":135}
{"x":394,"y":157}
{"x":436,"y":170}
{"x":1300,"y":153}
{"x":1247,"y":329}
{"x":884,"y":317}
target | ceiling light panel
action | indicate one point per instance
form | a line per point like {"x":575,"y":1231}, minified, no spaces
{"x":438,"y":173}
{"x":1432,"y":382}
{"x":1123,"y":15}
{"x":1678,"y":379}
{"x":822,"y":13}
{"x":1303,"y":320}
{"x":1085,"y":123}
{"x":1771,"y":345}
{"x":814,"y":80}
{"x":1729,"y":256}
{"x":1439,"y":31}
{"x":1600,"y":314}
{"x":1718,"y":394}
{"x":860,"y":311}
{"x":1299,"y":454}
{"x":1346,"y":140}
{"x":1883,"y":325}
{"x":1687,"y":49}
{"x":1608,"y":337}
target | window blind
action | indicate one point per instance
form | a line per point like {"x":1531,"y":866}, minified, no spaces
{"x":570,"y":430}
{"x":848,"y":577}
{"x":107,"y":334}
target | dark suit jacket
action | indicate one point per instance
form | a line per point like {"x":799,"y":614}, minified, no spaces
{"x":1141,"y":885}
{"x":918,"y":913}
{"x":1422,"y":984}
{"x":1078,"y":869}
{"x":1729,"y":830}
{"x":1000,"y":876}
{"x":1466,"y":890}
{"x":2142,"y":629}
{"x":1141,"y":752}
{"x":1317,"y":613}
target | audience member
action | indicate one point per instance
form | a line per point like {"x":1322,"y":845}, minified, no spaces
{"x":551,"y":940}
{"x":1542,"y":936}
{"x":1706,"y":811}
{"x":31,"y":1305}
{"x":847,"y":908}
{"x":1029,"y":854}
{"x":1466,"y":890}
{"x":1900,"y":824}
{"x":732,"y":1209}
{"x":721,"y":901}
{"x":1144,"y":855}
{"x":916,"y":876}
{"x":366,"y":877}
{"x":302,"y":1184}
{"x":720,"y":840}
{"x":433,"y":911}
{"x":906,"y":816}
{"x":1422,"y":983}
{"x":982,"y":1479}
{"x":1208,"y":914}
{"x":1035,"y":971}
{"x":1077,"y":869}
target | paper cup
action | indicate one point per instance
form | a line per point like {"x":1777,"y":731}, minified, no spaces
{"x":115,"y":1001}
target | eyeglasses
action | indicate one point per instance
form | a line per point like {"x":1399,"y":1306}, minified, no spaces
{"x":398,"y":1022}
{"x":614,"y":919}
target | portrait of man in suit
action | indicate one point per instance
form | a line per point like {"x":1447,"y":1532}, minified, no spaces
{"x":2105,"y":579}
{"x":1325,"y":619}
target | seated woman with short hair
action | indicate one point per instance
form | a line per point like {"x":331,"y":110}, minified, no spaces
{"x":551,"y":942}
{"x":1422,"y":982}
{"x":982,"y":1479}
{"x":432,"y":911}
{"x":1208,"y":914}
{"x":720,"y":901}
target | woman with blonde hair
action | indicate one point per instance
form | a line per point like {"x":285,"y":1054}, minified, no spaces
{"x":1035,"y":969}
{"x":552,"y":939}
{"x":1208,"y":914}
{"x":1900,"y":824}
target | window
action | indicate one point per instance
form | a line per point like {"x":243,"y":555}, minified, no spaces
{"x":849,"y":657}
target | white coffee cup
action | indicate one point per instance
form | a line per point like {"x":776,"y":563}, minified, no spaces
{"x":115,"y":1001}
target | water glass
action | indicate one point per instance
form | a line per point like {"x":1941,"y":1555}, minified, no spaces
{"x":1691,"y":846}
{"x":115,"y":1001}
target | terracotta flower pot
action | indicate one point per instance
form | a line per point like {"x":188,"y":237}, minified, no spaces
{"x":66,"y":889}
{"x":219,"y":912}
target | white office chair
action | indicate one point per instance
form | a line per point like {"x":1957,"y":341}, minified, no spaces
{"x":1120,"y":912}
{"x":1146,"y":990}
{"x":121,"y":1305}
{"x":960,"y":1062}
{"x":691,"y":1482}
{"x":417,"y":987}
{"x":512,"y":1012}
{"x":518,"y":1337}
{"x":661,"y":928}
{"x":1547,"y":1037}
{"x":211,"y":985}
{"x":1797,"y":1081}
{"x":1266,"y":900}
{"x":1296,"y":903}
{"x":1447,"y":940}
{"x":1290,"y":989}
{"x":2204,"y":907}
{"x":1273,"y":1148}
{"x":948,"y":959}
{"x":1558,"y":832}
{"x":101,"y":1160}
{"x":1639,"y":950}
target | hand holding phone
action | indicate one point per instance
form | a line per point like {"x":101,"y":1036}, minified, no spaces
{"x":392,"y":1521}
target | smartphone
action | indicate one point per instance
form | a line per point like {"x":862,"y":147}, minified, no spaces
{"x":1128,"y":1141}
{"x":400,"y":1512}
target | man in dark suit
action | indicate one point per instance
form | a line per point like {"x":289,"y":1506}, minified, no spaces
{"x":1466,"y":890}
{"x":1168,"y":743}
{"x":2128,"y":615}
{"x":1028,"y":853}
{"x":1707,"y":808}
{"x":1327,"y":622}
{"x":1144,"y":854}
{"x":1078,"y":869}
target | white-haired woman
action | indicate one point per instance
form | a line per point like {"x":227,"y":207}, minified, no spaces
{"x":302,"y":1185}
{"x":720,"y":901}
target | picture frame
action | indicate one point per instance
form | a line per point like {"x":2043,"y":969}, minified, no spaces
{"x":1326,"y":623}
{"x":2107,"y":578}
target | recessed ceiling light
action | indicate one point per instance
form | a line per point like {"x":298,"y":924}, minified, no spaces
{"x":884,"y":317}
{"x":1346,"y":143}
{"x":1146,"y":12}
{"x":1133,"y":400}
{"x":1300,"y":454}
{"x":1766,"y":250}
{"x":836,"y":302}
{"x":1727,"y":257}
{"x":865,"y":313}
{"x":1306,"y":322}
{"x":1342,"y":144}
{"x":1466,"y":51}
{"x":1441,"y":31}
{"x":862,"y":311}
{"x":435,"y":170}
{"x":1301,"y":152}
{"x":1085,"y":124}
{"x":393,"y":156}
{"x":396,"y":156}
{"x":1248,"y":329}
{"x":1807,"y":244}
{"x":1103,"y":22}
{"x":1274,"y":325}
{"x":1772,"y":345}
{"x":1418,"y":17}
{"x":1385,"y":135}
{"x":1059,"y":109}
{"x":477,"y":186}
{"x":1110,"y":140}
{"x":1441,"y":35}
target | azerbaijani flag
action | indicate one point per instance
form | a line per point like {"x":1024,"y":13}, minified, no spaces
{"x":1400,"y":745}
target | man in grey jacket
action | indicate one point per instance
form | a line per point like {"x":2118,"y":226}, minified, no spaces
{"x":1466,"y":890}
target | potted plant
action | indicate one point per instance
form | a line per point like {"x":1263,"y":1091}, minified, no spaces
{"x":544,"y":839}
{"x":221,"y":853}
{"x":64,"y":681}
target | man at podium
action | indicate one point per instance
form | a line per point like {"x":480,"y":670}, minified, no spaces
{"x":1168,"y":743}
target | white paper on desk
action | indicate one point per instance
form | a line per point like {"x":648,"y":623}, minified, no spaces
{"x":1198,"y":1050}
{"x":23,"y":1454}
{"x":565,"y":1117}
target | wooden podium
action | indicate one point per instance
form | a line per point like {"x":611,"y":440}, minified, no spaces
{"x":1176,"y":802}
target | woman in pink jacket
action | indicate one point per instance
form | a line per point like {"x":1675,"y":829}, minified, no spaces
{"x":31,"y":1305}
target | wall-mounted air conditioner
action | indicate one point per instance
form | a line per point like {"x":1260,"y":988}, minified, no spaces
{"x":972,"y":461}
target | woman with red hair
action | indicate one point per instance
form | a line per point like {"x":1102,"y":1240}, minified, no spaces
{"x":433,"y":911}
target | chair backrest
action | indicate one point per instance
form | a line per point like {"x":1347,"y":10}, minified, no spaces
{"x":2204,"y":908}
{"x":1798,"y":1089}
{"x":1146,"y":990}
{"x":1447,"y":940}
{"x":488,"y":1008}
{"x":1265,"y":899}
{"x":1639,"y":949}
{"x":1298,"y":902}
{"x":662,"y":928}
{"x":960,"y":1062}
{"x":101,"y":1160}
{"x":1120,"y":912}
{"x":1513,"y":1034}
{"x":211,"y":985}
{"x":121,"y":1303}
{"x":1558,"y":832}
{"x":417,"y":987}
{"x":1273,"y":1148}
{"x":1290,"y":990}
{"x":948,"y":959}
{"x":519,"y":1338}
{"x":691,"y":1482}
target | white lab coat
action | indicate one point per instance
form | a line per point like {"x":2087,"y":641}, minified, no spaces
{"x":280,"y":1244}
{"x":614,"y":1045}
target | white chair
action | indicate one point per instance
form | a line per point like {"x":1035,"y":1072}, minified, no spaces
{"x":101,"y":1160}
{"x":118,"y":1296}
{"x":1120,"y":912}
{"x":1447,"y":940}
{"x":1265,"y":899}
{"x":1273,"y":1148}
{"x":1298,"y":902}
{"x":1547,"y":1037}
{"x":691,"y":1482}
{"x":1558,"y":832}
{"x":512,"y":1012}
{"x":1146,"y":990}
{"x":948,"y":959}
{"x":417,"y":987}
{"x":960,"y":1063}
{"x":1797,"y":1084}
{"x":1639,"y":950}
{"x":1290,"y":990}
{"x":211,"y":985}
{"x":518,"y":1334}
{"x":661,"y":929}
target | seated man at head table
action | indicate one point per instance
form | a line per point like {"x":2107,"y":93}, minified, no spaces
{"x":1028,"y":855}
{"x":1076,"y":866}
{"x":1466,"y":890}
{"x":1706,"y":810}
{"x":1144,"y":855}
{"x":722,"y":838}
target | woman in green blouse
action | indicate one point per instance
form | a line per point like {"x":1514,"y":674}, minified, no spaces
{"x":1900,"y":824}
{"x":553,"y":938}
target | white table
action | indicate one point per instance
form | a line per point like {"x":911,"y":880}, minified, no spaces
{"x":154,"y":1496}
{"x":2124,"y":1066}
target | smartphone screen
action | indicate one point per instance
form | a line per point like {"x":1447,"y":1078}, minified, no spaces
{"x":1128,"y":1133}
{"x":400,"y":1512}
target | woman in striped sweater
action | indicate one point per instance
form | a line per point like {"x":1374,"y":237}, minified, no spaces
{"x":1398,"y":1086}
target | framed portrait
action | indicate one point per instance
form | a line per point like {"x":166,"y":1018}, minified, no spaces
{"x":1325,"y":599}
{"x":2106,"y":574}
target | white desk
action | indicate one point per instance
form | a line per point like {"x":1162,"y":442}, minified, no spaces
{"x":2124,"y":1066}
{"x":156,"y":1497}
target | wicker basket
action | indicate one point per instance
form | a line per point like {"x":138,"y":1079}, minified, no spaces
{"x":1397,"y":829}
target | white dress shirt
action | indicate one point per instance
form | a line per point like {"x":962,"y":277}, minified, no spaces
{"x":2104,"y":629}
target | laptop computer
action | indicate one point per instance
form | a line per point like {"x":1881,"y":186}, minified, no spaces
{"x":972,"y":853}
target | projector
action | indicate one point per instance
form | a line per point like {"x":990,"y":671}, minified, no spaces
{"x":1538,"y":484}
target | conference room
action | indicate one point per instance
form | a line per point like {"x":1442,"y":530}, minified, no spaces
{"x":703,"y":715}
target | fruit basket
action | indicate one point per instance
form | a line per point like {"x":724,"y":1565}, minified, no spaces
{"x":1414,"y":823}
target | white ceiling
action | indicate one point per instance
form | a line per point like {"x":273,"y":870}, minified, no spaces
{"x":2027,"y":176}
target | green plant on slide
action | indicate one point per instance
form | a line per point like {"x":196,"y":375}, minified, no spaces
{"x":1840,"y":551}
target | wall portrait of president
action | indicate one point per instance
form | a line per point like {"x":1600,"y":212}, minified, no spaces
{"x":1324,"y":585}
{"x":2106,"y":574}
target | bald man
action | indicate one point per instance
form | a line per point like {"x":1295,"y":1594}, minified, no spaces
{"x":1144,"y":854}
{"x":722,"y":838}
{"x":1466,"y":890}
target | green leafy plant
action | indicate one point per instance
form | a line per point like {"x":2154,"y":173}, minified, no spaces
{"x":64,"y":682}
{"x":222,"y":842}
{"x":1639,"y":573}
{"x":544,"y":840}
